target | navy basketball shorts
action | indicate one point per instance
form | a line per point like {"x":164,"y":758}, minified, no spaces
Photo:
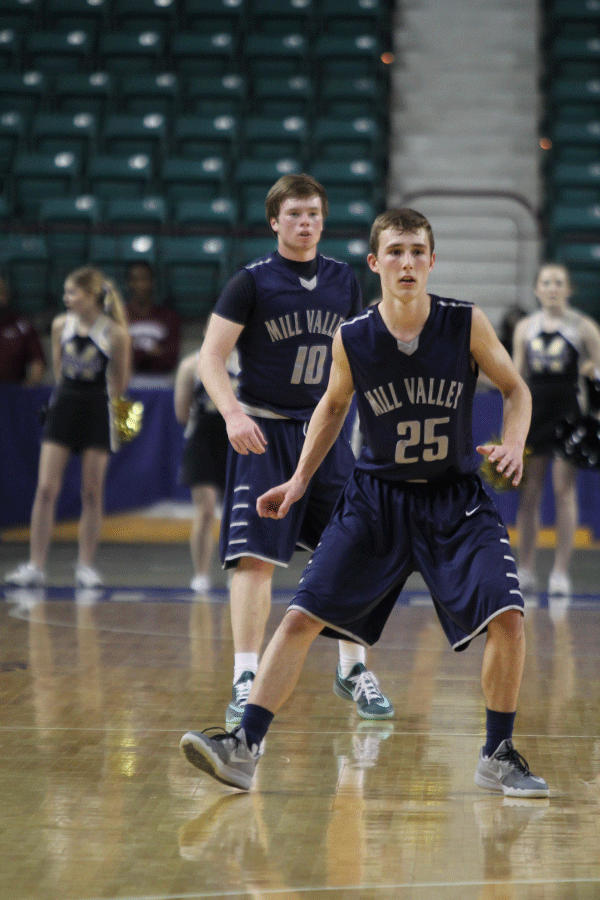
{"x":80,"y":420}
{"x":243,"y":531}
{"x":383,"y":531}
{"x":204,"y":459}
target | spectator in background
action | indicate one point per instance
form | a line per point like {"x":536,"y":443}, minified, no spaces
{"x":91,"y":358}
{"x":204,"y":459}
{"x":155,"y":329}
{"x":22,"y":359}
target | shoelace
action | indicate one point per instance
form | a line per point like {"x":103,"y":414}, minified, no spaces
{"x":221,"y":734}
{"x":513,"y":756}
{"x":242,"y":690}
{"x":366,"y":684}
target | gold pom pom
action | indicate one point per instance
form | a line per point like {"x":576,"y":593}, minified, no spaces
{"x":128,"y":417}
{"x":496,"y":479}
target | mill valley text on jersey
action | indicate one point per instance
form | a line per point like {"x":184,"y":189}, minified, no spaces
{"x":417,"y":425}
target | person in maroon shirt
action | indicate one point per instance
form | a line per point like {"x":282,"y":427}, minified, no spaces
{"x":22,"y":359}
{"x":155,"y":329}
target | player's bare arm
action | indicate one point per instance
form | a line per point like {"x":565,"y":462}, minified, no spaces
{"x":494,"y":360}
{"x":325,"y":425}
{"x":221,"y":337}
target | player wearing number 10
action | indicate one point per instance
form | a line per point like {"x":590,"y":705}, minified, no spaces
{"x":281,"y":312}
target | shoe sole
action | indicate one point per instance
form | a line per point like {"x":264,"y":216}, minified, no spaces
{"x":201,"y":756}
{"x":492,"y":785}
{"x":343,"y":694}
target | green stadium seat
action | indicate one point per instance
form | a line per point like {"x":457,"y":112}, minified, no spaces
{"x":215,"y":95}
{"x":58,"y":51}
{"x":584,"y":175}
{"x":113,"y":252}
{"x":12,"y":132}
{"x":214,"y":16}
{"x":193,"y":179}
{"x":125,"y":53}
{"x":84,"y":93}
{"x":281,"y":55}
{"x":143,"y":211}
{"x":574,"y":11}
{"x":119,"y":176}
{"x":276,"y":97}
{"x":70,"y":15}
{"x":354,"y":251}
{"x":197,"y":136}
{"x":254,"y":177}
{"x":265,"y":138}
{"x":6,"y":209}
{"x":280,"y":17}
{"x":222,"y":211}
{"x":143,"y":15}
{"x":351,"y":56}
{"x":352,"y":17}
{"x":351,"y":97}
{"x":125,"y":134}
{"x":27,"y":262}
{"x":23,"y":92}
{"x":11,"y":42}
{"x":348,"y":180}
{"x":340,"y":139}
{"x":36,"y":176}
{"x":247,"y":249}
{"x":566,"y":90}
{"x":68,"y":222}
{"x":195,"y":270}
{"x":19,"y":14}
{"x":54,"y":132}
{"x":576,"y":219}
{"x":353,"y":214}
{"x":579,"y":49}
{"x":585,"y":132}
{"x":581,"y":254}
{"x":255,"y":214}
{"x":203,"y":53}
{"x":145,"y":94}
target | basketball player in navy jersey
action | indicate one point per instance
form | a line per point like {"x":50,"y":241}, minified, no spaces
{"x":413,"y":502}
{"x":281,"y":312}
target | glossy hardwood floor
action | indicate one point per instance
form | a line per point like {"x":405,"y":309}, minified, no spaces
{"x":98,"y":803}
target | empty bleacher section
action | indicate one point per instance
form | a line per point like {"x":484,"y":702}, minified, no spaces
{"x":571,"y":135}
{"x":155,"y":127}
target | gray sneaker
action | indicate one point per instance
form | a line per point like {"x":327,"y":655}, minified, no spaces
{"x":239,"y":697}
{"x":363,"y":687}
{"x":26,"y":575}
{"x":506,"y":770}
{"x":225,"y":755}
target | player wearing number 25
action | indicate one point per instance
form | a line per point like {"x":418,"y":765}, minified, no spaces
{"x":281,"y":312}
{"x":414,"y":501}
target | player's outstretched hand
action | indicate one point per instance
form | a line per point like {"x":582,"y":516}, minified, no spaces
{"x":506,"y":459}
{"x":274,"y":504}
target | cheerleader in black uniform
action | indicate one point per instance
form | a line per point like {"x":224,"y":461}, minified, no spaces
{"x":204,"y":460}
{"x":91,"y":356}
{"x":553,"y":348}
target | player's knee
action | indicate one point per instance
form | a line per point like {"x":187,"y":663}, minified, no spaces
{"x":509,"y":625}
{"x":298,"y":624}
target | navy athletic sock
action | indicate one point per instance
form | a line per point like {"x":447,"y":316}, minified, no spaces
{"x":255,"y":722}
{"x":499,"y":727}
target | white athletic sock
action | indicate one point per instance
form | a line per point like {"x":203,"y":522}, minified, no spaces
{"x":350,"y":654}
{"x":244,"y":662}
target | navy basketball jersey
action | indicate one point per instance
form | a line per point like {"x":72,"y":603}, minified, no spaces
{"x":415,"y":401}
{"x":285,"y":347}
{"x":84,"y":358}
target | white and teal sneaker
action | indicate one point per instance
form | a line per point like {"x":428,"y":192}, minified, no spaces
{"x":362,"y":687}
{"x":239,"y":697}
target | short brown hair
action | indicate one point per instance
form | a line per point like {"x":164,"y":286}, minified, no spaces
{"x":296,"y":187}
{"x":400,"y":220}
